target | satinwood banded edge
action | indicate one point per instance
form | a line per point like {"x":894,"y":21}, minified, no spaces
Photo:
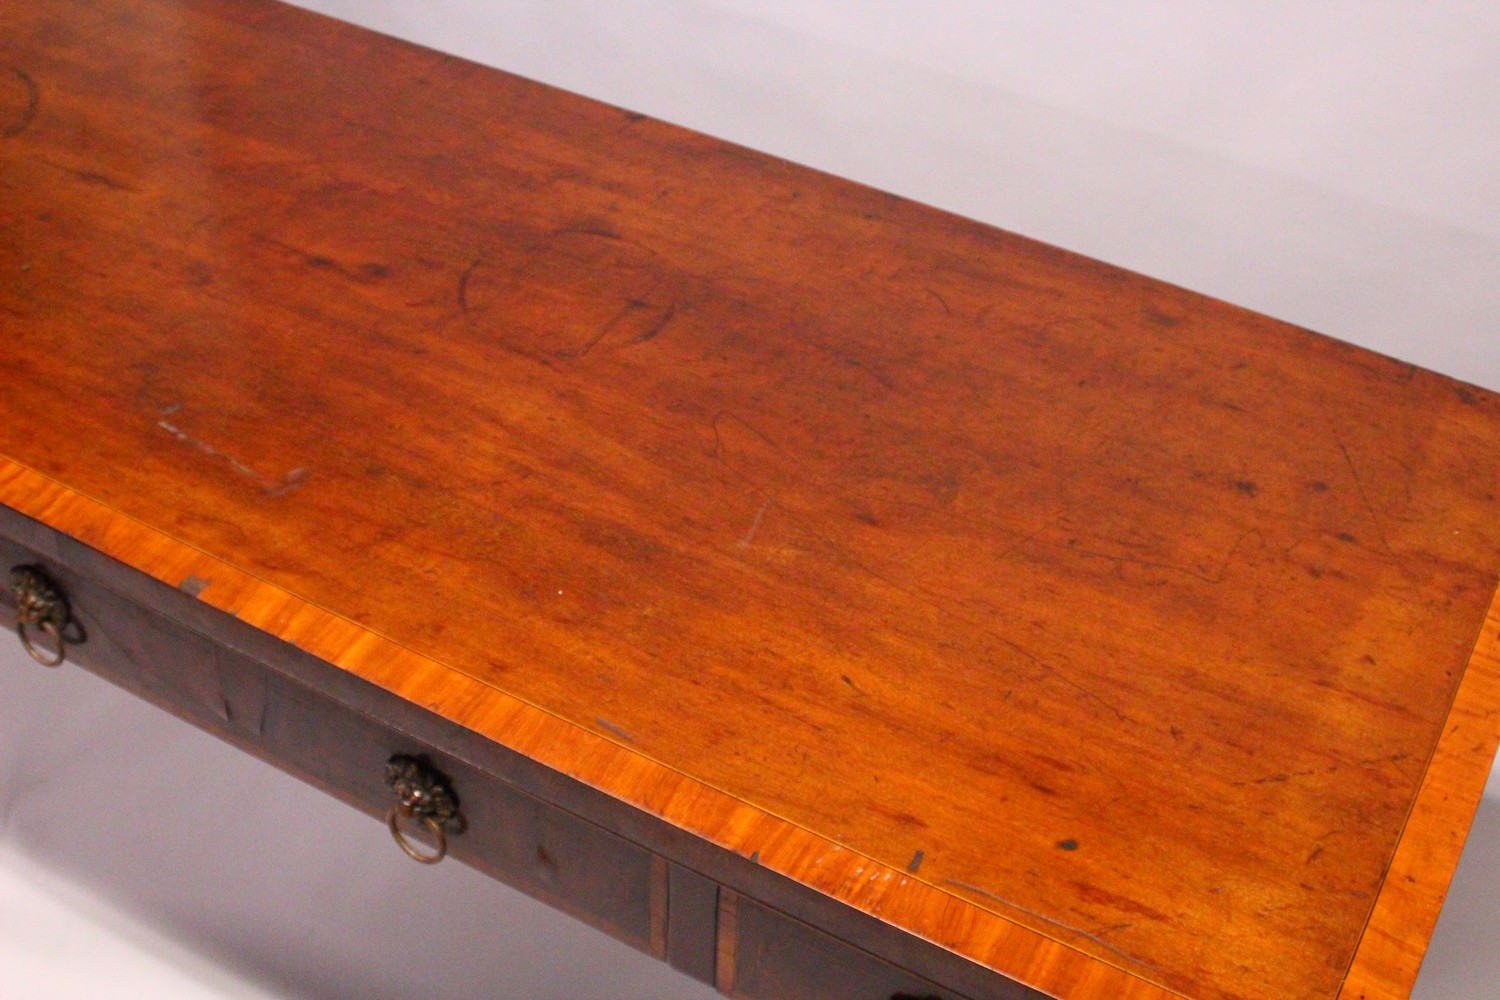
{"x":1395,"y":940}
{"x":1041,"y":961}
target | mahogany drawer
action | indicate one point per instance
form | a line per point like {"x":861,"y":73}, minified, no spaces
{"x":766,"y":955}
{"x":546,"y":852}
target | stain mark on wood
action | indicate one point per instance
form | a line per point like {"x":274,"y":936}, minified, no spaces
{"x":1067,"y":845}
{"x":194,"y":585}
{"x":463,"y":285}
{"x":916,"y":861}
{"x":28,"y":111}
{"x":291,"y":482}
{"x":603,"y":230}
{"x":207,"y":449}
{"x":615,"y":729}
{"x":1275,"y":779}
{"x":632,"y":119}
{"x":363,"y":275}
{"x":1246,"y":487}
{"x":97,"y":178}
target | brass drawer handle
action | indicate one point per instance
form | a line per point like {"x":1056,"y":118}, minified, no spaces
{"x":40,"y":606}
{"x":423,"y":794}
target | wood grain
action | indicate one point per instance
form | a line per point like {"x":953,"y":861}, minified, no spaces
{"x":1093,"y":629}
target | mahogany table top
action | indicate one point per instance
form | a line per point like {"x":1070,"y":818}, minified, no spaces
{"x":1097,"y":630}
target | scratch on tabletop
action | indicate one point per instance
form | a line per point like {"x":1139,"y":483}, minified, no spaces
{"x":269,"y":487}
{"x":292,"y":481}
{"x":718,"y":448}
{"x":1053,"y":923}
{"x":928,"y":597}
{"x":1198,"y":573}
{"x":1359,"y":485}
{"x":1281,"y":777}
{"x":755,"y":525}
{"x":615,"y":729}
{"x":604,"y":329}
{"x":936,"y":600}
{"x":103,"y":180}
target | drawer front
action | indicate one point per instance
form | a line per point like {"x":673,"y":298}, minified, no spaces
{"x":766,"y":955}
{"x":544,"y":851}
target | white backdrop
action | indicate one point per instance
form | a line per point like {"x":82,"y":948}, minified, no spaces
{"x":1334,"y":164}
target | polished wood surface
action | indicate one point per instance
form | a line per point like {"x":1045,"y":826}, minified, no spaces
{"x":1098,"y":631}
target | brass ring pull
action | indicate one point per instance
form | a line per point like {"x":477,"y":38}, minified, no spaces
{"x":39,"y":605}
{"x":39,"y":654}
{"x":422,"y":793}
{"x":393,"y":820}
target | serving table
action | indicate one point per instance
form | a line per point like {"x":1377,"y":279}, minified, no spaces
{"x":831,"y":596}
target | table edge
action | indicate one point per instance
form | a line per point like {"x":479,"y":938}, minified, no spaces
{"x":1390,"y":954}
{"x":1046,"y":963}
{"x":1385,"y":964}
